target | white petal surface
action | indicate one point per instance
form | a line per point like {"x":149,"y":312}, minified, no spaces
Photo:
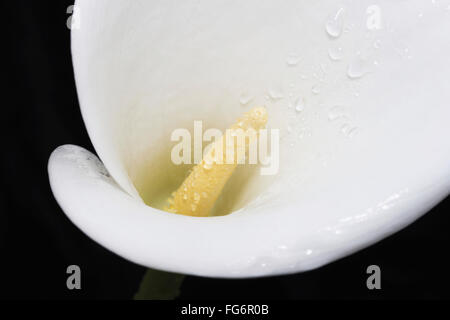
{"x":262,"y":241}
{"x":366,"y":153}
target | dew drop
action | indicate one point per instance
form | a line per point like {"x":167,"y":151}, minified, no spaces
{"x":336,"y":113}
{"x":357,"y":68}
{"x":345,"y":128}
{"x":352,"y":132}
{"x":245,"y":98}
{"x":275,"y":94}
{"x":196,"y":197}
{"x":349,"y":130}
{"x":335,"y":54}
{"x":377,"y":44}
{"x":300,"y":105}
{"x":335,"y":23}
{"x":207,"y":165}
{"x":293,"y":60}
{"x":315,"y":89}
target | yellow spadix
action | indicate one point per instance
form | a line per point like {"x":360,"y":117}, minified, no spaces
{"x":198,"y":193}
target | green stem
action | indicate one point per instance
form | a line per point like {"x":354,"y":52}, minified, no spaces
{"x":159,"y":285}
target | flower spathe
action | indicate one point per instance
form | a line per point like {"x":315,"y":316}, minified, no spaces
{"x":365,"y":156}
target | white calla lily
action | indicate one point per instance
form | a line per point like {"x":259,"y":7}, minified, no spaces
{"x":360,"y":90}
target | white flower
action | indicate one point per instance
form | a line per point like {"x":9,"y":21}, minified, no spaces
{"x":365,"y":155}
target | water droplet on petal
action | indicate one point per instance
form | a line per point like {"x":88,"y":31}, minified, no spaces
{"x":316,"y":89}
{"x":335,"y":23}
{"x":345,"y":128}
{"x":300,"y":105}
{"x":377,"y":44}
{"x":207,"y":165}
{"x":292,"y":60}
{"x":336,"y":112}
{"x":245,"y":98}
{"x":335,"y":54}
{"x":352,"y":132}
{"x":357,"y":68}
{"x":275,"y":94}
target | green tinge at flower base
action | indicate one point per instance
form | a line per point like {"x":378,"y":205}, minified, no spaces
{"x":159,"y":285}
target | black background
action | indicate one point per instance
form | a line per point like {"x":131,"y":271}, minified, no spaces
{"x":37,"y":242}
